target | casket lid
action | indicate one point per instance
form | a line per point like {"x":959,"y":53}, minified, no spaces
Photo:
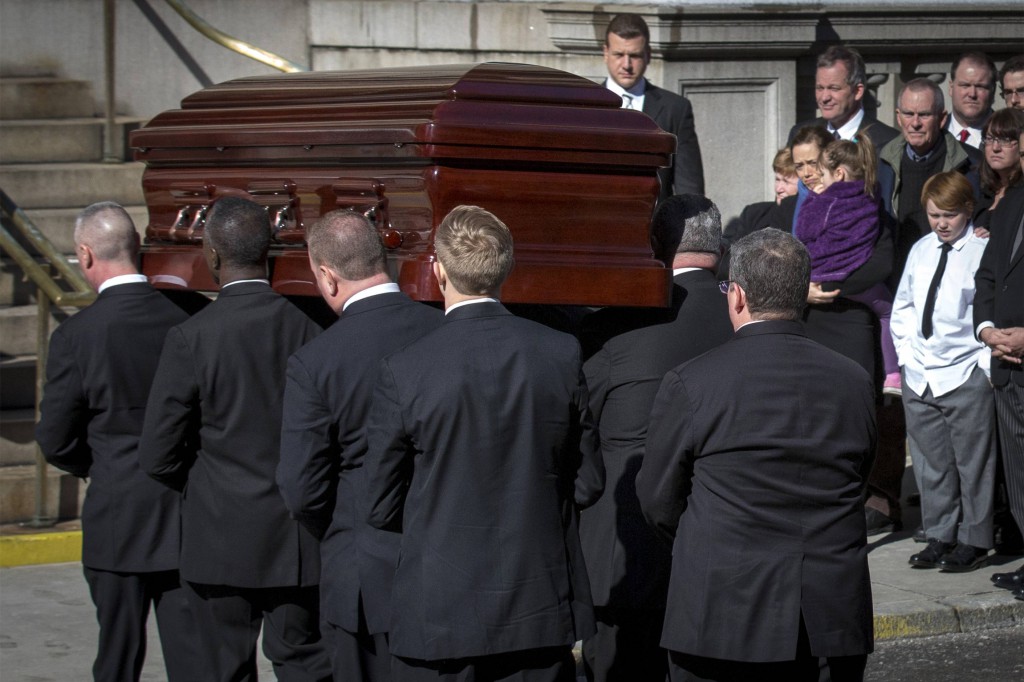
{"x":460,"y":110}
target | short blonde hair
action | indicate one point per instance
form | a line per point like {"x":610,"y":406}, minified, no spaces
{"x":783,"y":163}
{"x":949,"y":191}
{"x":475,"y":249}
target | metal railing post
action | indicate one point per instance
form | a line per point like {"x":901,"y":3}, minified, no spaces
{"x":41,"y":518}
{"x":109,"y":55}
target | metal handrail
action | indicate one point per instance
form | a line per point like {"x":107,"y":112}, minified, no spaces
{"x":234,"y":44}
{"x":48,"y":291}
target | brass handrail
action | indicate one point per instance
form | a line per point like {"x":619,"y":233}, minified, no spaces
{"x":234,"y":44}
{"x":48,"y":290}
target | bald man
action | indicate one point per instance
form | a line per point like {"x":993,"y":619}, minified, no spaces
{"x":98,"y":375}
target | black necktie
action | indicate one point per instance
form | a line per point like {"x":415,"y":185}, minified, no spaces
{"x":933,"y":289}
{"x":835,"y":135}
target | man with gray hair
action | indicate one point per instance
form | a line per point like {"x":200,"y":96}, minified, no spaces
{"x":925,"y":149}
{"x":99,"y":370}
{"x":323,"y":436}
{"x":757,"y":456}
{"x":840,"y":85}
{"x":628,"y":352}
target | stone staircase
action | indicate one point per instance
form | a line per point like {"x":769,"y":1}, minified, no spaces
{"x":51,"y":149}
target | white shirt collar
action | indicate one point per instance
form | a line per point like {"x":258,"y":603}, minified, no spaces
{"x":245,"y":281}
{"x":973,"y":134}
{"x":471,"y":301}
{"x":848,"y":130}
{"x":679,"y":271}
{"x":386,"y":288}
{"x":636,"y":93}
{"x":121,"y":279}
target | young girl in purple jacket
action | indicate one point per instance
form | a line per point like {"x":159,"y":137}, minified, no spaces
{"x":840,"y":227}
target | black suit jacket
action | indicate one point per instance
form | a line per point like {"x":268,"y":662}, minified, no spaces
{"x":879,"y":133}
{"x":999,"y":281}
{"x":323,"y":444}
{"x":630,"y":350}
{"x":478,"y":436}
{"x":757,"y":456}
{"x":213,"y":425}
{"x":674,"y":113}
{"x":98,"y":374}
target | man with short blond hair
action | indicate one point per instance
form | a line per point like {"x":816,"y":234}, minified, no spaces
{"x":327,"y":394}
{"x":479,"y":453}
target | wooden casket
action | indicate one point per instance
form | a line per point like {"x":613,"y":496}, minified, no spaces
{"x":551,"y":154}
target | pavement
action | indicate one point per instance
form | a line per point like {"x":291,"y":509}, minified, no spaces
{"x":48,"y":628}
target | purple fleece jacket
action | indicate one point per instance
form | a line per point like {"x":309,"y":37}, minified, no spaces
{"x":839,"y":227}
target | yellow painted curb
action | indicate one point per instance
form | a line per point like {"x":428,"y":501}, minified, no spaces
{"x":40,"y":548}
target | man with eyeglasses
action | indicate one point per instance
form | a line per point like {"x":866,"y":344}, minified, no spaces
{"x":925,"y":149}
{"x":1011,"y":80}
{"x":839,"y":88}
{"x":972,"y":88}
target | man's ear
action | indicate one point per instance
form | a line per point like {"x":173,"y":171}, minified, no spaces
{"x":943,"y":121}
{"x":440,"y":275}
{"x":86,"y":258}
{"x":329,"y":279}
{"x":737,"y":298}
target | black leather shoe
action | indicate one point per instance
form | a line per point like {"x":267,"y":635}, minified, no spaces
{"x":879,"y":523}
{"x":963,"y":559}
{"x":1019,"y":593}
{"x":1009,"y":581}
{"x":919,"y":535}
{"x":930,"y":556}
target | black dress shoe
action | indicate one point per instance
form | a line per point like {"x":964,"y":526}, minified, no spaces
{"x":1019,"y":593}
{"x":930,"y":556}
{"x":920,"y":536}
{"x":879,"y":523}
{"x":963,"y":559}
{"x":1009,"y":581}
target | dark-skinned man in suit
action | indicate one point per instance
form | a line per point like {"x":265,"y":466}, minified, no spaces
{"x":756,"y":462}
{"x":213,"y":424}
{"x":628,"y":351}
{"x":480,"y":452}
{"x":323,"y":436}
{"x":99,"y":370}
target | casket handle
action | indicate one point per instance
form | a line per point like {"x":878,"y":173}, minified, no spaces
{"x":366,"y":196}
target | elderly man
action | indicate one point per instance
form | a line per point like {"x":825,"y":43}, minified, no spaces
{"x":839,"y":88}
{"x":98,"y":374}
{"x":757,"y":454}
{"x":924,"y":150}
{"x":627,"y":52}
{"x":1011,"y":81}
{"x":213,"y":424}
{"x":323,"y":436}
{"x":972,"y":89}
{"x":630,"y":350}
{"x":479,"y":453}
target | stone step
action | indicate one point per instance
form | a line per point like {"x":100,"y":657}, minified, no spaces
{"x":67,"y":185}
{"x":17,"y":389}
{"x":45,"y":97}
{"x":18,"y":328}
{"x":58,"y":140}
{"x":63,"y":499}
{"x":17,"y":436}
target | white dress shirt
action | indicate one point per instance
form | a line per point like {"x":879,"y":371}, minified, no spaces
{"x":973,"y":134}
{"x":635,"y":93}
{"x":944,"y":361}
{"x":121,"y":279}
{"x":848,"y":130}
{"x":377,"y":289}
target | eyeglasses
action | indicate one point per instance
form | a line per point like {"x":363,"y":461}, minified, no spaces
{"x":723,"y":286}
{"x":1010,"y":94}
{"x":988,"y":141}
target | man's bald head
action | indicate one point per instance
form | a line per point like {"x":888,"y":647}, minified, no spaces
{"x":348,"y":243}
{"x":108,"y":231}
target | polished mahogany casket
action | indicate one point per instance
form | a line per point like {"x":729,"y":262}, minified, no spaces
{"x":553,"y":155}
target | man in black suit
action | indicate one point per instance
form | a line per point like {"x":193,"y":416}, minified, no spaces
{"x":840,"y":83}
{"x":213,"y":424}
{"x":628,"y":352}
{"x":98,"y":373}
{"x":480,"y":450}
{"x":972,"y":89}
{"x":999,"y":321}
{"x":627,"y":52}
{"x":757,"y":455}
{"x":323,"y":436}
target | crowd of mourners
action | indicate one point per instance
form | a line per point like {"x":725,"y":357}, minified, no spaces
{"x":464,"y":494}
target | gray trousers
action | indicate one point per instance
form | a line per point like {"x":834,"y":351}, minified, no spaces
{"x":952,"y":446}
